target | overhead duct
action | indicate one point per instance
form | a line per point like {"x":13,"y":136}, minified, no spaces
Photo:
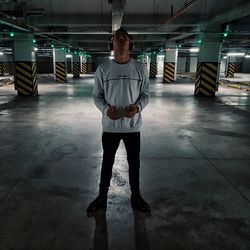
{"x":118,"y":7}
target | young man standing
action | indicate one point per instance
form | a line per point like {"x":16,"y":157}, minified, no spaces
{"x":121,"y":91}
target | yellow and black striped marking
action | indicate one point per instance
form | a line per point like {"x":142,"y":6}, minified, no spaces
{"x":89,"y":67}
{"x":61,"y":72}
{"x":1,"y":69}
{"x":230,"y":70}
{"x":84,"y":68}
{"x":169,"y":69}
{"x":11,"y":68}
{"x":76,"y":69}
{"x":26,"y":79}
{"x":6,"y":67}
{"x":153,"y":70}
{"x":206,"y":75}
{"x":187,"y":68}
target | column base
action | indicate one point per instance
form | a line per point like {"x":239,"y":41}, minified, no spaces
{"x":206,"y":75}
{"x":84,"y":68}
{"x":26,"y":78}
{"x":76,"y":70}
{"x":230,"y":70}
{"x":153,"y":70}
{"x":61,"y":72}
{"x":169,"y":72}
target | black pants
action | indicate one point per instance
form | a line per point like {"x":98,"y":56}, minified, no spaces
{"x":110,"y":143}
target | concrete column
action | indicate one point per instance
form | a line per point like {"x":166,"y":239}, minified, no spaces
{"x":89,"y":64}
{"x":76,"y":66}
{"x":4,"y":62}
{"x":80,"y":64}
{"x":7,"y":64}
{"x":148,"y":62}
{"x":187,"y":66}
{"x":69,"y":63}
{"x":193,"y":64}
{"x":223,"y":64}
{"x":25,"y":65}
{"x":1,"y":69}
{"x":246,"y":65}
{"x":11,"y":67}
{"x":231,"y":66}
{"x":84,"y":65}
{"x":153,"y":66}
{"x":207,"y":74}
{"x":59,"y":59}
{"x":170,"y":64}
{"x":144,"y":60}
{"x":1,"y":64}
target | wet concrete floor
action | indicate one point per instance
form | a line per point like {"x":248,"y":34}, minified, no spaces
{"x":195,"y":173}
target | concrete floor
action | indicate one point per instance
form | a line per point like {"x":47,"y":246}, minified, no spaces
{"x":238,"y":77}
{"x":194,"y":171}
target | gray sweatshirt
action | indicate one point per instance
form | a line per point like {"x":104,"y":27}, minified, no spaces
{"x":121,"y":85}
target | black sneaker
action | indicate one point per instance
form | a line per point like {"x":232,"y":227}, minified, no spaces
{"x":99,"y":203}
{"x":138,"y":203}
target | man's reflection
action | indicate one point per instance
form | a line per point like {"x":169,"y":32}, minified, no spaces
{"x":141,"y":236}
{"x":101,"y":231}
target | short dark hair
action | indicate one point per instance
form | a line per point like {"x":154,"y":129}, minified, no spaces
{"x":122,"y":30}
{"x":131,"y":44}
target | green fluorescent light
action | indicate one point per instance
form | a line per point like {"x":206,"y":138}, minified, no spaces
{"x":34,"y":41}
{"x":225,"y":34}
{"x":12,"y":34}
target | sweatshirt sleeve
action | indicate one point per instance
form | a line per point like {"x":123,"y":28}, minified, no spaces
{"x":98,"y":92}
{"x":143,"y":99}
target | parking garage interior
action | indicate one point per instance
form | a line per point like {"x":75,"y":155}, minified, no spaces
{"x":195,"y":148}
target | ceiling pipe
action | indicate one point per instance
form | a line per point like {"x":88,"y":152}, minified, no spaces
{"x":178,"y":13}
{"x":132,"y":33}
{"x":21,"y":25}
{"x":226,"y":17}
{"x":15,"y":23}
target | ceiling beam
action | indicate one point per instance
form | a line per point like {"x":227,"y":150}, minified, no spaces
{"x":97,"y":21}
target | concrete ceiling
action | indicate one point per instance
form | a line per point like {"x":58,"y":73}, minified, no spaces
{"x":87,"y":25}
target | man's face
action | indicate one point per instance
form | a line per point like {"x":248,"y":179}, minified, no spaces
{"x":121,"y":41}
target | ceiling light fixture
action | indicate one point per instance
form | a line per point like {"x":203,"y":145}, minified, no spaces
{"x":235,"y":54}
{"x":194,"y":50}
